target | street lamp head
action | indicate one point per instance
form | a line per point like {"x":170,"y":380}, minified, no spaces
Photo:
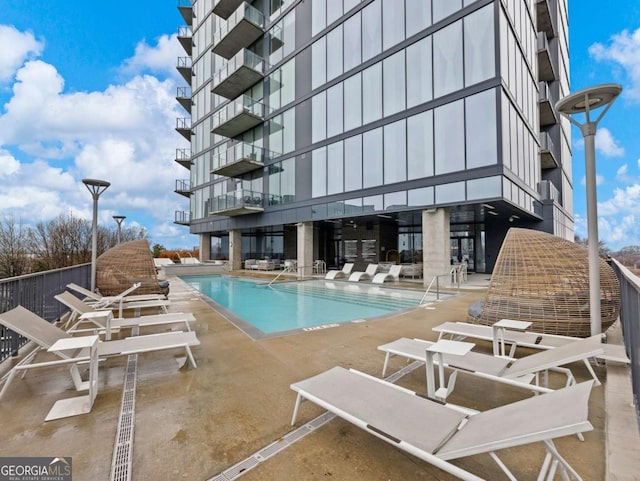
{"x":119,"y":218}
{"x":586,"y":100}
{"x":96,"y":187}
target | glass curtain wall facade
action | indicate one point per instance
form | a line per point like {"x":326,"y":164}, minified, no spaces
{"x":357,"y":116}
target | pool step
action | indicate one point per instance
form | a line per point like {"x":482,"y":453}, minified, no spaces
{"x":360,"y":298}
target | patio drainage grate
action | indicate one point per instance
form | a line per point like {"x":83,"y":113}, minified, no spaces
{"x":288,"y":439}
{"x":122,"y":451}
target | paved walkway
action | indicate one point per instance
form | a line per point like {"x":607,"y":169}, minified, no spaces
{"x":193,"y":424}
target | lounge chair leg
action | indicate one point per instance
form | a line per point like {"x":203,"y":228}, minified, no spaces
{"x":190,"y":356}
{"x":564,"y":465}
{"x":592,"y":372}
{"x":502,"y":466}
{"x":295,"y":409}
{"x":386,"y":361}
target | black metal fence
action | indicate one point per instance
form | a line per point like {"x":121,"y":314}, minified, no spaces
{"x":630,"y":320}
{"x":35,"y":292}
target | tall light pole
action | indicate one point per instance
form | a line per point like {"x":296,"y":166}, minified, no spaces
{"x":119,"y":219}
{"x":96,"y":187}
{"x":585,"y":101}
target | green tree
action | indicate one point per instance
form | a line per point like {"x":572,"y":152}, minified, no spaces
{"x":158,"y":249}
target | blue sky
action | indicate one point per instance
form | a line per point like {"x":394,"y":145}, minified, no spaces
{"x":89,"y":91}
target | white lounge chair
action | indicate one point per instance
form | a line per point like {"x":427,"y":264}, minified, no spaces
{"x":533,"y":340}
{"x":392,"y":275}
{"x":439,"y":433}
{"x":124,"y":296}
{"x":120,"y":305}
{"x":340,"y":274}
{"x":79,"y":308}
{"x":364,"y":276}
{"x":44,"y":335}
{"x":516,"y":372}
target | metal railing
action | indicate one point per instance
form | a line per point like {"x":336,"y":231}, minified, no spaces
{"x":35,"y":292}
{"x":630,"y":321}
{"x":236,"y":199}
{"x":243,"y":12}
{"x":244,"y":58}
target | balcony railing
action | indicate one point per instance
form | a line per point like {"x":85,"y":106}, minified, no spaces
{"x":182,"y":217}
{"x":35,"y":292}
{"x":629,"y":315}
{"x":240,"y":202}
{"x":183,"y":187}
{"x":548,"y":159}
{"x":546,"y":19}
{"x":239,"y":159}
{"x":183,"y":96}
{"x":183,"y":157}
{"x":238,"y":116}
{"x":546,"y":58}
{"x":546,"y":105}
{"x":185,"y":68}
{"x":244,"y":70}
{"x":240,"y":30}
{"x":183,"y":126}
{"x":185,"y":37}
{"x":224,"y":8}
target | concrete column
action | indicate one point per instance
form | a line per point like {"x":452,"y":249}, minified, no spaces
{"x":305,"y":248}
{"x":205,"y":247}
{"x":235,"y":249}
{"x":436,"y":250}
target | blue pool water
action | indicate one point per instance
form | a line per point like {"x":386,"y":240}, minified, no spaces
{"x":295,"y":305}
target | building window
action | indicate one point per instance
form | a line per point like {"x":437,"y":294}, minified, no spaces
{"x":479,"y":46}
{"x":420,"y":145}
{"x":395,"y":152}
{"x":449,"y":130}
{"x":481,"y":129}
{"x":447,"y":60}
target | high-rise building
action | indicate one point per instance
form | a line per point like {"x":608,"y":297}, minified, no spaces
{"x":404,"y":131}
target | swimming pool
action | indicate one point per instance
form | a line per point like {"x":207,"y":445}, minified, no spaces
{"x":261,"y":310}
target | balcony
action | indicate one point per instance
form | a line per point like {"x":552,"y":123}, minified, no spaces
{"x":240,"y":159}
{"x":183,"y":187}
{"x":183,"y":96}
{"x":224,"y":8}
{"x":183,"y":126}
{"x":181,"y":217}
{"x":185,"y":37}
{"x":185,"y":9}
{"x":240,"y":202}
{"x":244,"y":26}
{"x":244,"y":70}
{"x":546,"y":101}
{"x":548,"y":191}
{"x":546,"y":20}
{"x":548,"y":159}
{"x":183,"y":157}
{"x":546,"y":59}
{"x":238,"y":116}
{"x":185,"y":68}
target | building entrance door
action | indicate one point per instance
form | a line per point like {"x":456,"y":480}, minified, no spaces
{"x":463,"y":250}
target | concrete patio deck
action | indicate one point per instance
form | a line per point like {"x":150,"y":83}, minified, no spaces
{"x":193,"y":424}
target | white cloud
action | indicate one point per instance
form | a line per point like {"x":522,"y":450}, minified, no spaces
{"x":8,"y":164}
{"x":606,"y":144}
{"x":623,"y":51}
{"x":15,"y":48}
{"x":618,"y":233}
{"x":624,"y":200}
{"x":160,"y":58}
{"x":51,"y":139}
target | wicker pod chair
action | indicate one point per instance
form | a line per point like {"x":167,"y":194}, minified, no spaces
{"x":544,"y":279}
{"x":125,"y":264}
